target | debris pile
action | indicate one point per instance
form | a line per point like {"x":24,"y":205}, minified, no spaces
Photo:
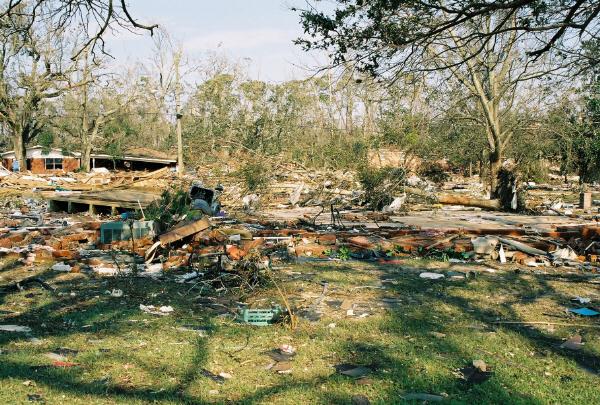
{"x":186,"y":236}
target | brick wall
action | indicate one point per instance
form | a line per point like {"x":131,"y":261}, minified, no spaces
{"x":70,"y":164}
{"x":38,"y":166}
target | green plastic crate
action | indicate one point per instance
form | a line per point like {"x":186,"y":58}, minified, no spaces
{"x":259,"y":317}
{"x":117,"y":231}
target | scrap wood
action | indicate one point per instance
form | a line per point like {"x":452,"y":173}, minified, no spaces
{"x":442,"y":241}
{"x":523,"y":247}
{"x":184,"y":231}
{"x":152,"y":175}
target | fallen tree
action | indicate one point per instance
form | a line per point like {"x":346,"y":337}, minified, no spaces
{"x":456,"y":199}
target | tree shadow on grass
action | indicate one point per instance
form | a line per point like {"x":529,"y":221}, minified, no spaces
{"x":409,"y":365}
{"x":91,"y":315}
{"x":406,"y":367}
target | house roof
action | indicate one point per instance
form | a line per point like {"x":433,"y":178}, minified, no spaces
{"x":135,"y":154}
{"x":57,"y":150}
{"x":140,"y":155}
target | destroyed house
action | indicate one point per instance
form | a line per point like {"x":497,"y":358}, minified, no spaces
{"x":42,"y":160}
{"x":134,"y":159}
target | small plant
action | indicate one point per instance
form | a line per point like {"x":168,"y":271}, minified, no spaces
{"x":343,"y":253}
{"x":396,"y":251}
{"x":255,"y":175}
{"x":381,"y":185}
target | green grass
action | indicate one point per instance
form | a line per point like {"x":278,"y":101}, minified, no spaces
{"x":129,"y":357}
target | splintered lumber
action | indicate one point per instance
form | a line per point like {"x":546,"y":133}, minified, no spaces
{"x":523,"y":247}
{"x":457,"y":199}
{"x":183,"y":231}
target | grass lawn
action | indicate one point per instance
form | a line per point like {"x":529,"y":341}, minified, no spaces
{"x":413,"y":335}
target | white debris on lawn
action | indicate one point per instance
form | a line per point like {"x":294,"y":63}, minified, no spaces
{"x":151,"y":309}
{"x":431,"y":276}
{"x":15,"y":328}
{"x":61,"y":267}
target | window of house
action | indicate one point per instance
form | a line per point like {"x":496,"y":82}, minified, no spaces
{"x":54,"y":164}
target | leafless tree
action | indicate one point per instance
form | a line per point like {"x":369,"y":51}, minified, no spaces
{"x":34,"y":69}
{"x":94,"y":18}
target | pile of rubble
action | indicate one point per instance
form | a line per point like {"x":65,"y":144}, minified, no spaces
{"x":202,"y":242}
{"x":212,"y":246}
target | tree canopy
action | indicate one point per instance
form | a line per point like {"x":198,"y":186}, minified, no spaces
{"x":382,"y":35}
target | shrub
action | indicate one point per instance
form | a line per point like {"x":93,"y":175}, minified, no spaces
{"x":381,"y":185}
{"x":255,"y":175}
{"x":434,"y":172}
{"x":173,"y":204}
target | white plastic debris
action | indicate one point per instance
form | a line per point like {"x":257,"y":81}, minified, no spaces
{"x":289,"y":349}
{"x":154,"y":268}
{"x":61,"y":267}
{"x":484,"y":245}
{"x":151,"y":309}
{"x":565,"y":253}
{"x":395,"y":205}
{"x":188,"y":276}
{"x":250,"y":201}
{"x":116,"y":293}
{"x":295,"y":195}
{"x":413,"y":180}
{"x":502,"y":255}
{"x":100,"y":170}
{"x":106,"y":271}
{"x":431,"y":276}
{"x":582,"y":300}
{"x":15,"y":328}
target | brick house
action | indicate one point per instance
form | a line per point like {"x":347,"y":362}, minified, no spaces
{"x":45,"y":161}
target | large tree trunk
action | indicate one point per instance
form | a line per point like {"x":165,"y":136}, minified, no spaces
{"x":86,"y":157}
{"x":20,"y":151}
{"x":495,"y":164}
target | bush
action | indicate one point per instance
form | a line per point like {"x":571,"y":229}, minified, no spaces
{"x":255,"y":175}
{"x":434,"y":172}
{"x":173,"y":204}
{"x":381,"y":185}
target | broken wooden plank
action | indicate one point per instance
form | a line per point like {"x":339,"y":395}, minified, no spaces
{"x":183,"y":231}
{"x":523,"y":247}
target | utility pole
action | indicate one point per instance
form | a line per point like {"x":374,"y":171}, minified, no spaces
{"x":85,"y":126}
{"x":178,"y":114}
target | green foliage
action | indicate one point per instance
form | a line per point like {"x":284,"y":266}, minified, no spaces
{"x":332,"y":154}
{"x":533,"y":170}
{"x":435,"y":172}
{"x":381,"y":185}
{"x":255,"y":175}
{"x":115,"y":150}
{"x":173,"y":204}
{"x":46,"y":140}
{"x":343,"y":253}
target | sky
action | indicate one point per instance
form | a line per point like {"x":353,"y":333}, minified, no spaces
{"x":256,"y":33}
